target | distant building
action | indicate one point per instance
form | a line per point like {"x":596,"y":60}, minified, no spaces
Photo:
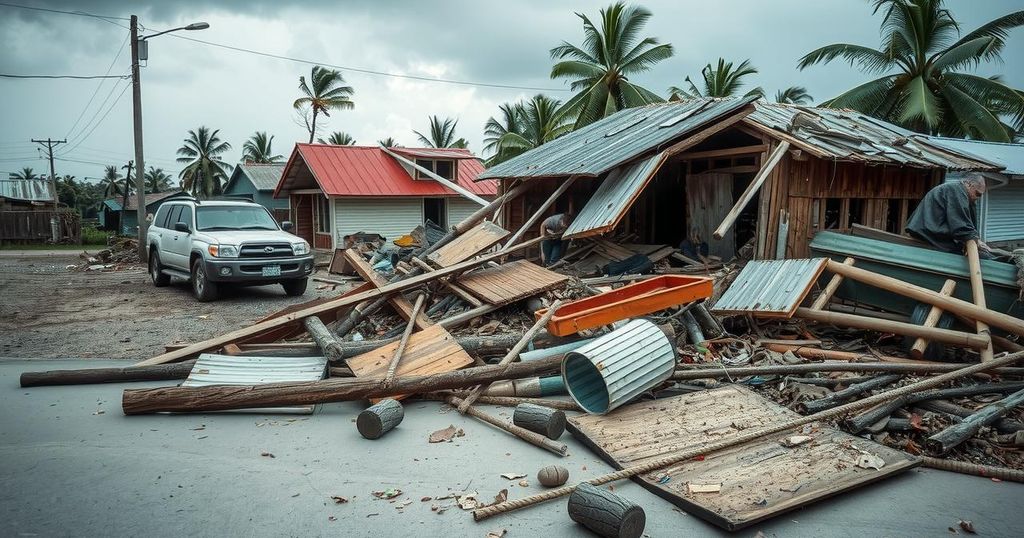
{"x":125,"y":220}
{"x":256,"y":182}
{"x":19,"y":194}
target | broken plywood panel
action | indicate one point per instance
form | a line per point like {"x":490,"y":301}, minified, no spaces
{"x":397,"y":301}
{"x":479,"y":238}
{"x":429,"y":351}
{"x":745,"y":484}
{"x":510,"y":282}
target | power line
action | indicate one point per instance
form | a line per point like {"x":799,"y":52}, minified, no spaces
{"x":99,"y":122}
{"x":79,"y":13}
{"x":98,"y":86}
{"x":78,"y":77}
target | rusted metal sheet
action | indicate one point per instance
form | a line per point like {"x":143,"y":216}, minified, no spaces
{"x":30,"y":190}
{"x":614,"y":197}
{"x":770,"y":288}
{"x":212,"y":369}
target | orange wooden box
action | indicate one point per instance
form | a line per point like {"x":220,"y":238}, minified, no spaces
{"x":629,"y":301}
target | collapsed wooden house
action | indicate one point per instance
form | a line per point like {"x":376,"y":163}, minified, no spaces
{"x":731,"y":171}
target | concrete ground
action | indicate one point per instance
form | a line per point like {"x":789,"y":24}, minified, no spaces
{"x":72,"y":464}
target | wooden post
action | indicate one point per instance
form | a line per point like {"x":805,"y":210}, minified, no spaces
{"x":86,"y":376}
{"x":956,"y":434}
{"x":839,"y":397}
{"x":397,"y":358}
{"x":513,"y":353}
{"x":323,"y":338}
{"x":605,"y":513}
{"x":537,"y":214}
{"x":978,"y":294}
{"x":751,"y":190}
{"x":953,"y":338}
{"x":380,"y":418}
{"x":917,"y":350}
{"x":830,"y":289}
{"x":542,"y":420}
{"x":535,"y":439}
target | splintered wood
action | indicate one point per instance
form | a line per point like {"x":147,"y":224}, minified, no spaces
{"x":746,"y":484}
{"x":510,"y":282}
{"x":397,"y":301}
{"x":468,"y":244}
{"x":429,"y":351}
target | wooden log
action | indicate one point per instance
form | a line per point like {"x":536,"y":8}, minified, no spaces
{"x":839,"y":397}
{"x":871,"y":416}
{"x":389,"y":377}
{"x":379,"y":418}
{"x":830,"y":289}
{"x":222,"y":397}
{"x":86,"y":376}
{"x":751,"y":190}
{"x":605,"y":513}
{"x":401,"y":305}
{"x":721,"y":372}
{"x":978,"y":294}
{"x":1004,"y":425}
{"x":709,"y":324}
{"x":542,"y":420}
{"x":328,"y":344}
{"x":533,"y":438}
{"x":255,"y":329}
{"x":953,"y":338}
{"x":956,"y":434}
{"x":917,"y":350}
{"x":949,"y":304}
{"x":513,"y":353}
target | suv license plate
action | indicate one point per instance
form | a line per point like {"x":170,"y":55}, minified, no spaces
{"x":271,"y":270}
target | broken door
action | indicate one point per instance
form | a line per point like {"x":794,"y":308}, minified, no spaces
{"x":708,"y":201}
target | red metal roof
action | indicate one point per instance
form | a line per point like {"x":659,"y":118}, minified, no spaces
{"x":368,"y":171}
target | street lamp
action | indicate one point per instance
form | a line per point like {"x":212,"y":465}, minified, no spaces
{"x":140,"y":165}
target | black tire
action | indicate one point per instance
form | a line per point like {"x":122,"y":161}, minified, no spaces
{"x":159,"y":279}
{"x":294,"y":288}
{"x":204,"y":290}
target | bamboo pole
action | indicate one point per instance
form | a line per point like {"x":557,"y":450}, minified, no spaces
{"x":535,"y":439}
{"x":917,"y":350}
{"x":830,"y":289}
{"x":752,"y":434}
{"x":978,"y":294}
{"x":390,"y":376}
{"x":954,"y":338}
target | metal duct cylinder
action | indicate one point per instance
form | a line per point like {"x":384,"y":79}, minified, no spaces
{"x":614,"y":368}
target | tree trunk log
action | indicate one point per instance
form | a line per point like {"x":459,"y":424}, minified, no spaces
{"x":85,"y":376}
{"x":956,"y":434}
{"x":221,"y":397}
{"x":838,"y":398}
{"x":379,"y":418}
{"x":543,"y":420}
{"x":946,"y":407}
{"x":605,"y":513}
{"x":709,"y":324}
{"x":326,"y":341}
{"x":879,"y":412}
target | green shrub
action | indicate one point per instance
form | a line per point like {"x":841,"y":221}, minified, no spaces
{"x":92,"y":236}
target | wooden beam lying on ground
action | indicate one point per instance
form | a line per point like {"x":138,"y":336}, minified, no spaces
{"x":219,"y":341}
{"x":400,"y":304}
{"x":953,"y":338}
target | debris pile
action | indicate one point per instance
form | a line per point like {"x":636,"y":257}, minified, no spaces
{"x":123,"y":253}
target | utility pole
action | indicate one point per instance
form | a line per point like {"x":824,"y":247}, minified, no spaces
{"x":49,"y":145}
{"x":140,"y":181}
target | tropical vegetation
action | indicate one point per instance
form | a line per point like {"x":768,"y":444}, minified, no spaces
{"x":157,"y":180}
{"x":111,"y":181}
{"x":258,"y":149}
{"x":721,"y":80}
{"x":25,"y":173}
{"x":388,"y":142}
{"x":338,"y":138}
{"x":324,"y":92}
{"x":204,"y":168}
{"x":524,"y":126}
{"x":441,"y":134}
{"x":793,"y":95}
{"x":128,"y":185}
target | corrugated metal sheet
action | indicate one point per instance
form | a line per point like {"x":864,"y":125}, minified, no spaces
{"x":212,"y":369}
{"x":616,"y":367}
{"x":434,"y":153}
{"x":30,"y":190}
{"x":368,"y":171}
{"x":770,"y":287}
{"x":264,"y":177}
{"x":390,"y":217}
{"x":852,"y":136}
{"x":460,"y":208}
{"x":1004,"y":212}
{"x":613,"y":197}
{"x":603,"y":145}
{"x":1009,"y":157}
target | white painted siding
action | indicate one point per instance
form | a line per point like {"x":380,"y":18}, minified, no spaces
{"x":459,"y":208}
{"x":390,"y":217}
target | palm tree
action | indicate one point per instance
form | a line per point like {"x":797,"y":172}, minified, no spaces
{"x":338,"y":138}
{"x":111,"y":182}
{"x":923,"y":86}
{"x":526,"y":126}
{"x":157,"y":180}
{"x":442,"y":134}
{"x":258,"y":149}
{"x":388,"y":142}
{"x":601,"y":67}
{"x":129,"y":183}
{"x":204,"y":168}
{"x":720,"y":81}
{"x":26,"y":173}
{"x":793,"y":95}
{"x":327,"y":92}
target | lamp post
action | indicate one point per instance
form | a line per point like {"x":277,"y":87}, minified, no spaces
{"x":140,"y":165}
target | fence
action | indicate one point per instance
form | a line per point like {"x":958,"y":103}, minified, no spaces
{"x":34,"y":226}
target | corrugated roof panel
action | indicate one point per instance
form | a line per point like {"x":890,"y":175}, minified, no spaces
{"x":770,"y":287}
{"x":30,"y":190}
{"x":1010,"y":157}
{"x":264,"y":177}
{"x":601,"y":146}
{"x":613,"y":197}
{"x":212,"y":369}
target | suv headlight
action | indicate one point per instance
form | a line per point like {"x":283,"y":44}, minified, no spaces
{"x":223,"y":251}
{"x":301,"y":248}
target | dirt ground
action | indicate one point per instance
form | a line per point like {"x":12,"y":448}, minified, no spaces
{"x":48,"y":311}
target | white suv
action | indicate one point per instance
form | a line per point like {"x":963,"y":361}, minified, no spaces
{"x":220,"y":242}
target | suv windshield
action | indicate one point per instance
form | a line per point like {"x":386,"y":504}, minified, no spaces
{"x":234,"y":218}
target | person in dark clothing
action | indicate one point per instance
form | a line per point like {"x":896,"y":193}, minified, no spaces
{"x":553,"y":227}
{"x":945,"y":218}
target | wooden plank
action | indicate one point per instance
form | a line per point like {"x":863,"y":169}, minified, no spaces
{"x":510,"y":282}
{"x":830,"y":289}
{"x":469,"y":244}
{"x":759,"y":479}
{"x":430,"y":351}
{"x":399,"y":303}
{"x":727,"y":152}
{"x":295,"y":329}
{"x":751,"y":190}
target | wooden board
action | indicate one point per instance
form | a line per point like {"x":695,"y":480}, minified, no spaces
{"x":476,"y":240}
{"x":397,"y":301}
{"x":296,"y":328}
{"x":510,"y":282}
{"x":759,"y":480}
{"x":338,"y":264}
{"x":708,"y":200}
{"x":429,"y":351}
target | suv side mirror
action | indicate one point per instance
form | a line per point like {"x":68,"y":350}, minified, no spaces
{"x":287,"y":225}
{"x":181,"y":227}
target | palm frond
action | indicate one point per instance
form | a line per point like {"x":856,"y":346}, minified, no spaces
{"x":867,"y":58}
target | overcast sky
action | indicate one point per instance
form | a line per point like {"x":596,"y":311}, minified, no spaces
{"x":188,"y":84}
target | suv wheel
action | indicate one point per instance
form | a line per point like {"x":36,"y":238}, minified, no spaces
{"x":204,"y":290}
{"x":294,"y":288}
{"x":159,"y":279}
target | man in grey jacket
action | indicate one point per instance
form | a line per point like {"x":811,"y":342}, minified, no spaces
{"x":946,"y":216}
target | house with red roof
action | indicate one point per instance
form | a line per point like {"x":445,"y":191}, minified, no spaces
{"x":334,"y":191}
